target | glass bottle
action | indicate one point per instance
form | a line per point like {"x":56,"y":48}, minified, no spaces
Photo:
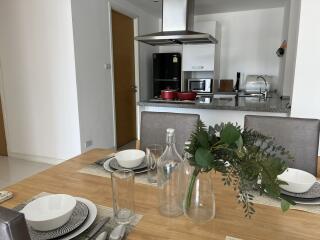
{"x":170,"y":178}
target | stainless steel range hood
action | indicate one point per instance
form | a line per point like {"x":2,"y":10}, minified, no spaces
{"x":177,"y":26}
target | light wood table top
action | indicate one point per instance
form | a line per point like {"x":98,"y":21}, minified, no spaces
{"x":268,"y":222}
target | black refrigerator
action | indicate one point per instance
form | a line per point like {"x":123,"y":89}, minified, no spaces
{"x":166,"y":72}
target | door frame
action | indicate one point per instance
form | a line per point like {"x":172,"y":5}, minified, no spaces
{"x":135,"y":18}
{"x":4,"y":112}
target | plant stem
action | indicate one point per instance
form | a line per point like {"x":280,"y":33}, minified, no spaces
{"x":195,"y":173}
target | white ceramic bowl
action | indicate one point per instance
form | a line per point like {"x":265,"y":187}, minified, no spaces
{"x":298,"y":181}
{"x":130,"y":158}
{"x":49,"y":212}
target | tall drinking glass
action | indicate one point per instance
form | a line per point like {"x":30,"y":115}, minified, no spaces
{"x":153,"y":153}
{"x":123,"y":195}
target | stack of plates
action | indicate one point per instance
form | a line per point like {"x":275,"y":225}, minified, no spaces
{"x":311,"y":197}
{"x":81,"y":219}
{"x":111,"y":165}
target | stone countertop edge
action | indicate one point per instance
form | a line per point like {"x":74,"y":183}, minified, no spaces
{"x":280,"y":108}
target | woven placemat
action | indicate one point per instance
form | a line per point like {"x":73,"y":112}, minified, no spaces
{"x":264,"y":200}
{"x":97,"y":169}
{"x":103,"y":212}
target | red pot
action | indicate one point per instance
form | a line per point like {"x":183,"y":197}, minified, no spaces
{"x":168,"y":94}
{"x":191,"y":96}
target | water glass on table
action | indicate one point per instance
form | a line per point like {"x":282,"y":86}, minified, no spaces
{"x":153,"y":153}
{"x":123,"y":195}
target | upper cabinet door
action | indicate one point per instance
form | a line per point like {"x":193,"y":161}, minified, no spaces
{"x":199,"y":57}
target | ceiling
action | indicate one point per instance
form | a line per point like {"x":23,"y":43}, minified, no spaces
{"x":213,"y":6}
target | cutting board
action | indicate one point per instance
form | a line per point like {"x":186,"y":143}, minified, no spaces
{"x":226,"y":85}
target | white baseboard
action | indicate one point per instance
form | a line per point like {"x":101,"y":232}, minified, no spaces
{"x":33,"y":158}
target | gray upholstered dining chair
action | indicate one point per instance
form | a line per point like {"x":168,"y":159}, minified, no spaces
{"x":154,"y":125}
{"x":298,"y":135}
{"x":12,"y":225}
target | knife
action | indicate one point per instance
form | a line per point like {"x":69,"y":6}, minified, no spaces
{"x":96,"y":229}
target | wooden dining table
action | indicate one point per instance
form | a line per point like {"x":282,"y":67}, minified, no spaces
{"x":267,"y":223}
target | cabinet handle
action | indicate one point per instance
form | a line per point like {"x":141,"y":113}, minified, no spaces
{"x":197,"y":67}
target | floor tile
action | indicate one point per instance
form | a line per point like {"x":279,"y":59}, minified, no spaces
{"x":13,"y":170}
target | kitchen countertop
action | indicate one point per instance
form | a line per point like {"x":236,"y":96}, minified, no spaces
{"x":255,"y":104}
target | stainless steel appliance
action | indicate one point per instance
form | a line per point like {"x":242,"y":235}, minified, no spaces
{"x":258,"y":83}
{"x":177,"y":26}
{"x":200,"y":85}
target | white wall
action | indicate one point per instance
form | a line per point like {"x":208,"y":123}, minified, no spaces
{"x":249,"y":40}
{"x":90,"y":28}
{"x":38,"y":79}
{"x":306,"y":97}
{"x":290,"y":33}
{"x":93,"y":49}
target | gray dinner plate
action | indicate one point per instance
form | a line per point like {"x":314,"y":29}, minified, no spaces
{"x":78,"y":217}
{"x":313,"y":193}
{"x":107,"y":167}
{"x":115,"y":165}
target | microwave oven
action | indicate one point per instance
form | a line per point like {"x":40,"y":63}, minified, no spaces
{"x":200,"y":85}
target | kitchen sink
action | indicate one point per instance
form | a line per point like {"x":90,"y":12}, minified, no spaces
{"x":255,"y":95}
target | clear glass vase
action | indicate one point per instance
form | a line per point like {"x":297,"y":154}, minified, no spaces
{"x":199,"y":202}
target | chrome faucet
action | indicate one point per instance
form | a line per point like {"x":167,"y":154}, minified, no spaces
{"x":265,"y":92}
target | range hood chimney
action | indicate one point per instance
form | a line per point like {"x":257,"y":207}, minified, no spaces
{"x":177,"y":26}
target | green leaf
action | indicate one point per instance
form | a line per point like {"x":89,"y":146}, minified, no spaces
{"x":203,"y":139}
{"x":203,"y":157}
{"x":285,"y":205}
{"x":230,"y":134}
{"x":288,"y":199}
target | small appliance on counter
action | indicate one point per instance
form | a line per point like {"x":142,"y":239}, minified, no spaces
{"x":200,"y":85}
{"x":166,"y":72}
{"x":258,"y":83}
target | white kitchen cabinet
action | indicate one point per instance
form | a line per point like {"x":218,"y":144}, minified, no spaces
{"x":199,"y":57}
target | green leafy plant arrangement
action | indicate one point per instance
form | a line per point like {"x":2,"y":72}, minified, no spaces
{"x":247,"y":160}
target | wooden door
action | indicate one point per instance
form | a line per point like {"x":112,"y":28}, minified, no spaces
{"x":124,"y":77}
{"x":3,"y":143}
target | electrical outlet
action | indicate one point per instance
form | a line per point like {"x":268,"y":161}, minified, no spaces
{"x":89,"y":143}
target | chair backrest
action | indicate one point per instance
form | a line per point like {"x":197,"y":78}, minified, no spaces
{"x":154,"y":125}
{"x":12,"y":225}
{"x":298,"y":135}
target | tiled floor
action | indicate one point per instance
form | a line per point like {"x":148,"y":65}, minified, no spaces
{"x":130,"y":145}
{"x":13,"y":170}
